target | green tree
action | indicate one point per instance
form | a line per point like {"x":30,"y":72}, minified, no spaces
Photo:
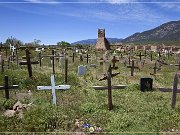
{"x":63,"y":44}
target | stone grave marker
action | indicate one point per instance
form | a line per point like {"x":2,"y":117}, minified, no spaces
{"x":81,"y":70}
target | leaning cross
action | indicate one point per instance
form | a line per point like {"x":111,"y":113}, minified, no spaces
{"x":132,"y":68}
{"x":6,"y":87}
{"x":53,"y":87}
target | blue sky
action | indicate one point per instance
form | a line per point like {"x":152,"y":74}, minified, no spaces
{"x":71,"y":20}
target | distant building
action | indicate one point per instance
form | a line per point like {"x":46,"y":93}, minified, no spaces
{"x":102,"y":42}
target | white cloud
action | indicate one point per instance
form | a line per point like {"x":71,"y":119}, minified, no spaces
{"x":119,"y":1}
{"x":172,"y":6}
{"x":41,"y":1}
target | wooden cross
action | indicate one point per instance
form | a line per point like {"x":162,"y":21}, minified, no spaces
{"x":66,"y":70}
{"x":108,"y":77}
{"x":81,"y":57}
{"x":159,"y":54}
{"x":53,"y":87}
{"x":52,"y":56}
{"x":162,"y":62}
{"x":129,"y":59}
{"x":73,"y":57}
{"x":6,"y":87}
{"x":178,"y":65}
{"x":114,"y":60}
{"x":87,"y":58}
{"x":155,"y":69}
{"x":140,"y":55}
{"x":174,"y":91}
{"x":151,"y":56}
{"x":132,"y":68}
{"x":2,"y":66}
{"x":28,"y":62}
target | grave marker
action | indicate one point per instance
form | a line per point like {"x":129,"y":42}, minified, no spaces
{"x":6,"y":87}
{"x":109,"y":87}
{"x":2,"y":66}
{"x":174,"y":91}
{"x":132,"y":68}
{"x":53,"y":87}
{"x":155,"y":68}
{"x":28,"y":62}
{"x":140,"y":55}
{"x":81,"y":70}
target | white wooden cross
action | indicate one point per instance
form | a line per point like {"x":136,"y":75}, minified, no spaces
{"x":53,"y":87}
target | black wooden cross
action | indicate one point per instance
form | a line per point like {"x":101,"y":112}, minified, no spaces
{"x":174,"y":91}
{"x":87,"y":58}
{"x":151,"y":55}
{"x":109,"y":86}
{"x":155,"y":68}
{"x":132,"y":68}
{"x":140,"y":55}
{"x":6,"y":87}
{"x":28,"y":62}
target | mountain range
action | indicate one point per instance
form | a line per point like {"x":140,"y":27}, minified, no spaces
{"x":165,"y":32}
{"x":94,"y":41}
{"x":169,"y":31}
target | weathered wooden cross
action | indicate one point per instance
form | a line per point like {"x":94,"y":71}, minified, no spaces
{"x":132,"y":68}
{"x":109,"y":86}
{"x":53,"y":87}
{"x":155,"y":68}
{"x":140,"y":55}
{"x":6,"y":87}
{"x":28,"y":62}
{"x":174,"y":91}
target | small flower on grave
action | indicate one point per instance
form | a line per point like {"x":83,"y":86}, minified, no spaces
{"x":98,"y":129}
{"x":91,"y":129}
{"x":86,"y":125}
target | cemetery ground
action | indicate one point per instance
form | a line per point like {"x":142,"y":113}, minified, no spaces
{"x":133,"y":110}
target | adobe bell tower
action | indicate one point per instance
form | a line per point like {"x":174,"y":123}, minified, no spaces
{"x":102,"y":42}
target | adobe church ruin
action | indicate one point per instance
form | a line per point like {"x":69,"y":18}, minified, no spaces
{"x":102,"y":42}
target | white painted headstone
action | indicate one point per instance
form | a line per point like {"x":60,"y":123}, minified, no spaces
{"x":81,"y":70}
